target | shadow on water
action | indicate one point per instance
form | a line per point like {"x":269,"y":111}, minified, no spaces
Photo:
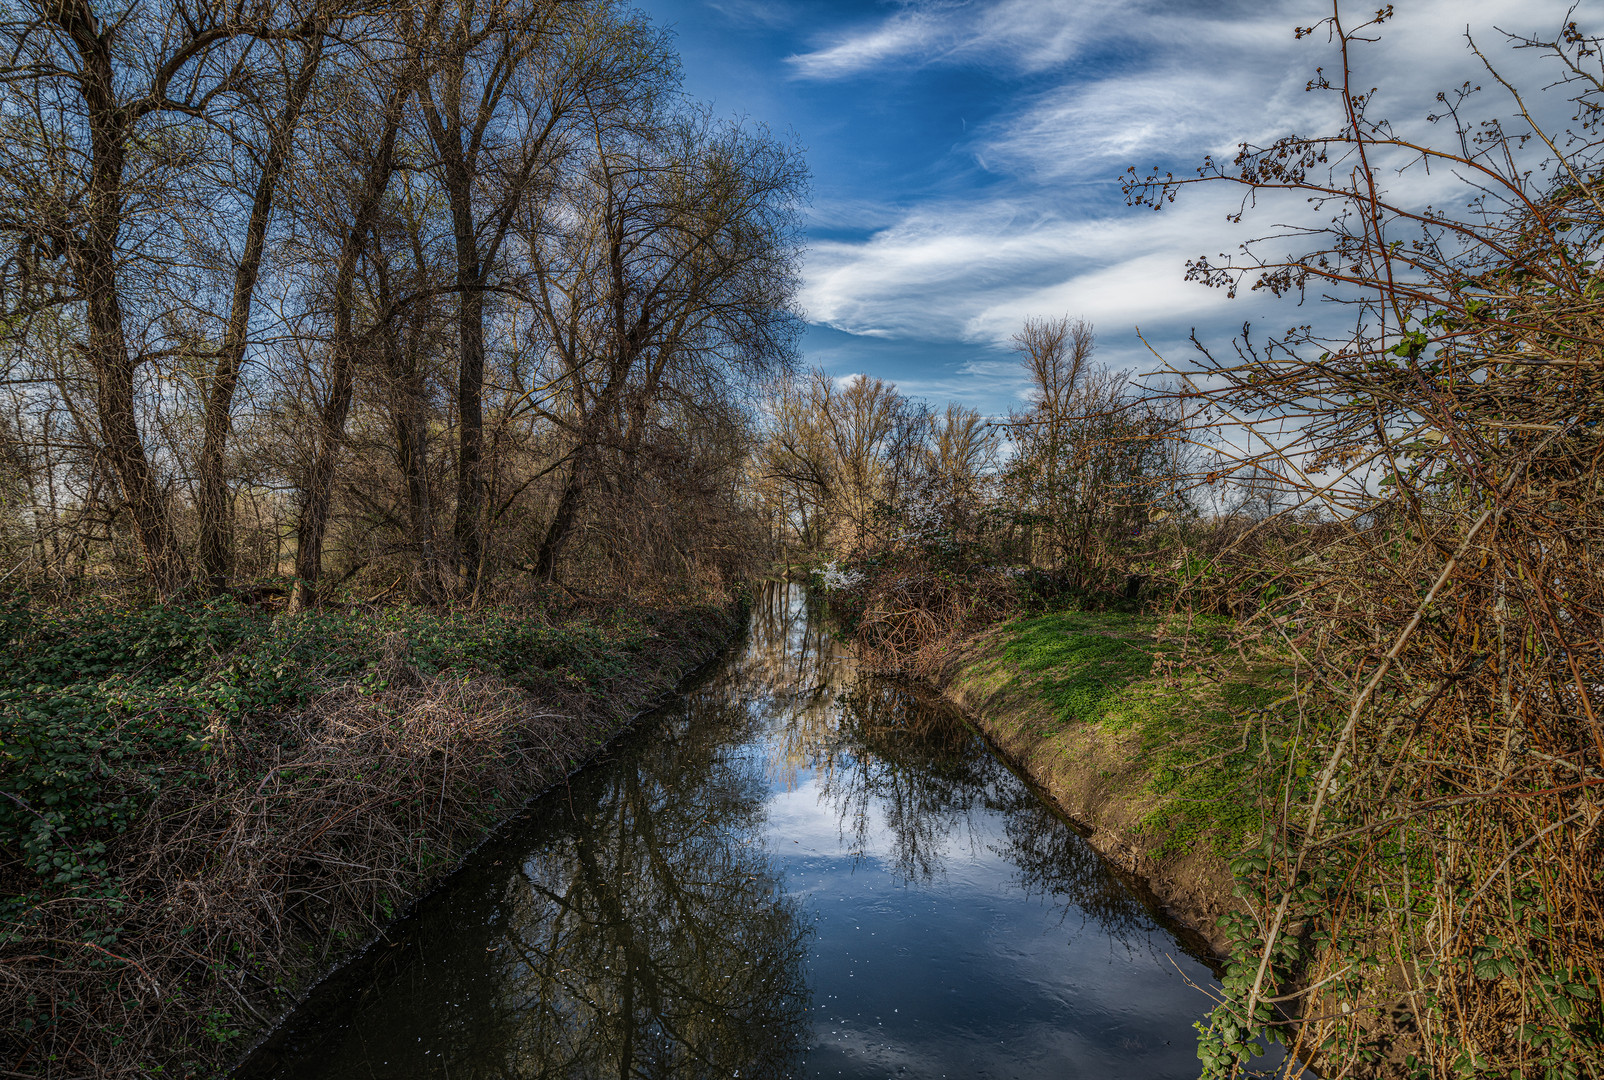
{"x":794,"y":869}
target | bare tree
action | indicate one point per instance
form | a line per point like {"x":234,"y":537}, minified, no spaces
{"x":104,"y":118}
{"x":367,"y":172}
{"x":298,"y":69}
{"x":505,"y":77}
{"x":675,"y":274}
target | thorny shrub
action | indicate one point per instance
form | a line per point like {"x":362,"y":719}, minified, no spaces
{"x":1429,"y":901}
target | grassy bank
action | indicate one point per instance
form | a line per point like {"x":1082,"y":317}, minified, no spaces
{"x":203,"y":804}
{"x":1142,"y":729}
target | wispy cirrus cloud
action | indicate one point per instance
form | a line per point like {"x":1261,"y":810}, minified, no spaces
{"x":904,"y":34}
{"x":1029,"y":35}
{"x":973,"y":273}
{"x":934,"y":247}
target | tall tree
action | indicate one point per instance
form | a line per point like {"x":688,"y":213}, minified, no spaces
{"x":675,"y":273}
{"x":367,"y":177}
{"x":505,"y":77}
{"x":215,"y":508}
{"x":104,"y":115}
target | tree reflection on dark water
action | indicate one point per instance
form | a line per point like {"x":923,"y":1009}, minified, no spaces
{"x":926,"y":773}
{"x":658,"y":941}
{"x":647,"y":935}
{"x":650,"y":920}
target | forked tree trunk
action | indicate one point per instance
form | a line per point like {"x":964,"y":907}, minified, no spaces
{"x":314,"y":519}
{"x":214,"y":507}
{"x":93,"y":256}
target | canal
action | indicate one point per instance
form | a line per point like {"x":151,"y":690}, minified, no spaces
{"x":794,"y":869}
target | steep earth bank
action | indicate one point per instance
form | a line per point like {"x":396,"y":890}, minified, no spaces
{"x":1102,"y":714}
{"x":209,"y":806}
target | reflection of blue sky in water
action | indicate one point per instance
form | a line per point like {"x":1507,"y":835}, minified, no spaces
{"x":960,"y":929}
{"x":794,"y":871}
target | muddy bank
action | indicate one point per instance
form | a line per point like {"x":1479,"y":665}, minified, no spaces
{"x":1097,"y":775}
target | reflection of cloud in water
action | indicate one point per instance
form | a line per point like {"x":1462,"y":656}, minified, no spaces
{"x":906,"y":778}
{"x":792,"y":849}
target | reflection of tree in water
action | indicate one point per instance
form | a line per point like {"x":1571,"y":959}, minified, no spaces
{"x":649,"y":934}
{"x":927,"y":774}
{"x":915,"y":764}
{"x":1054,"y":861}
{"x":789,"y":676}
{"x":660,"y":943}
{"x":790,"y":654}
{"x":654,"y":939}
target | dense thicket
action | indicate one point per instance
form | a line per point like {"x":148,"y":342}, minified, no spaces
{"x":1430,"y":896}
{"x":417,"y":295}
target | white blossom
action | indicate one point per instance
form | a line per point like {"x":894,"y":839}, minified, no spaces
{"x":833,"y":578}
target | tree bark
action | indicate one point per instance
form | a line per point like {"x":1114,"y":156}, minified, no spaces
{"x":407,"y":417}
{"x":567,"y":512}
{"x":468,"y":528}
{"x":95,"y":256}
{"x":313,"y":525}
{"x":213,"y":504}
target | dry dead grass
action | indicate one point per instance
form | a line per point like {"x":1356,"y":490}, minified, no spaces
{"x":306,"y":835}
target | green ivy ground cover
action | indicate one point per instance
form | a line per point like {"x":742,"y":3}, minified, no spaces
{"x":102,"y":704}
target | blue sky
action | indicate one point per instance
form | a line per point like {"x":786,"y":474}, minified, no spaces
{"x":966,"y":157}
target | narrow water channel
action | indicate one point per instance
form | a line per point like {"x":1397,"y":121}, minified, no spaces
{"x":795,"y":870}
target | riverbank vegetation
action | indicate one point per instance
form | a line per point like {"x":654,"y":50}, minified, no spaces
{"x":206,"y":802}
{"x":1398,"y":499}
{"x":395,"y":396}
{"x":375,"y":395}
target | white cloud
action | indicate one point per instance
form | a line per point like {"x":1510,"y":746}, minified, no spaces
{"x":1028,"y":35}
{"x":903,"y":34}
{"x":1048,"y":236}
{"x":973,"y":272}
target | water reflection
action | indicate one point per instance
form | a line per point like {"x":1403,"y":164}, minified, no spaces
{"x":798,"y":869}
{"x":659,"y":941}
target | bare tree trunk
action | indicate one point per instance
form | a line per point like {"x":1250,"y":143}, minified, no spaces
{"x":468,"y":528}
{"x":96,"y":259}
{"x":314,"y":519}
{"x":631,"y":341}
{"x":214,"y":507}
{"x":407,"y":417}
{"x":562,"y":521}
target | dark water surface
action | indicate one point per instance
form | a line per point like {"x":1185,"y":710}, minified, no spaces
{"x":793,"y":871}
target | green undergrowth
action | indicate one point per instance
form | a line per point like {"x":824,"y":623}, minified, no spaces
{"x":113,"y":716}
{"x":104,"y":705}
{"x":1183,"y":691}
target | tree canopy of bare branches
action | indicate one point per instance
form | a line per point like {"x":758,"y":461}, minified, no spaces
{"x":407,"y":290}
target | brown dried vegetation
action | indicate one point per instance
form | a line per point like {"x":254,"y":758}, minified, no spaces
{"x":1430,"y":897}
{"x":301,"y":836}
